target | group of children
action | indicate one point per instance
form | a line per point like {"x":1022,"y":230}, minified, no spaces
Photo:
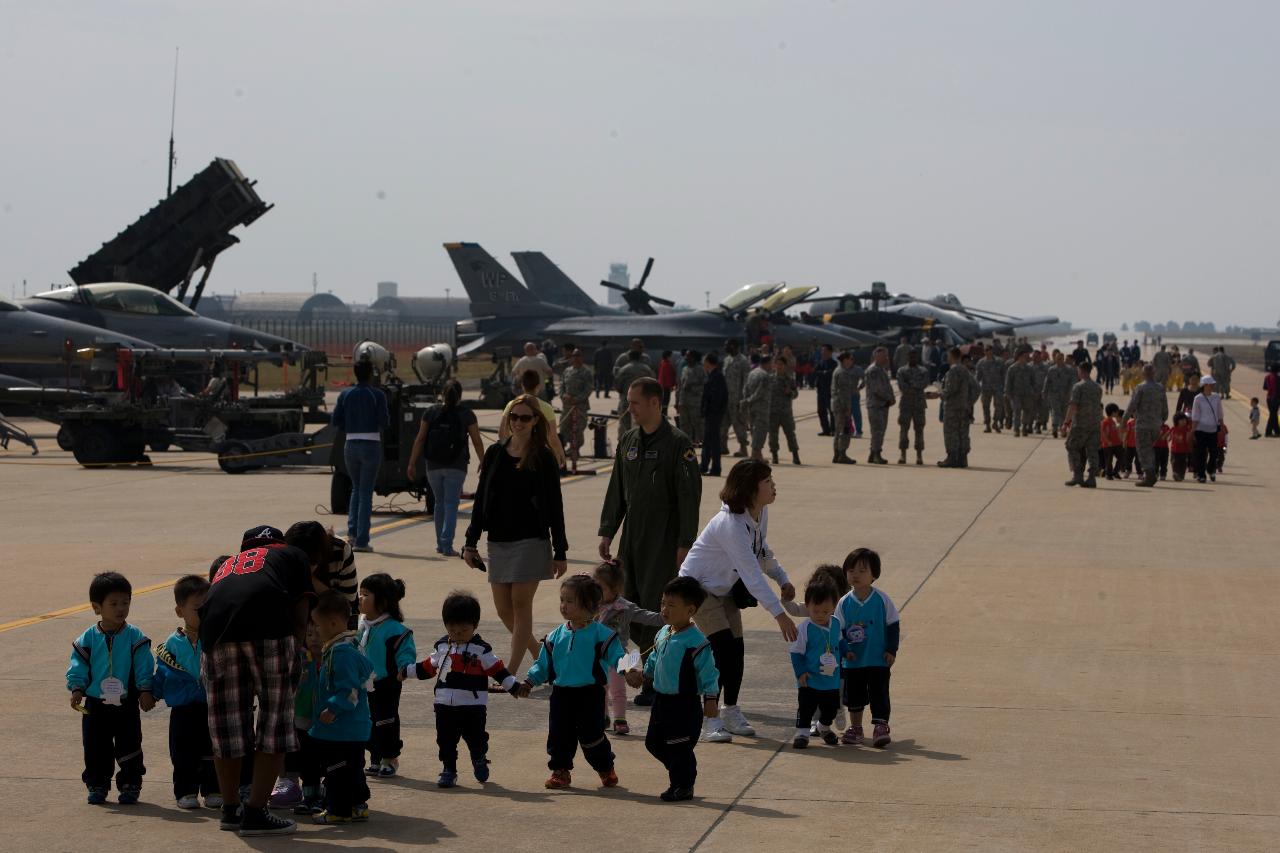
{"x":1118,"y":447}
{"x":347,"y":701}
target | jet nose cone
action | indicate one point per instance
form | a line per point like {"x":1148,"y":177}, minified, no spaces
{"x":246,"y":338}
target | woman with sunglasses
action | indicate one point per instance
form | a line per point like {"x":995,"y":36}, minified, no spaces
{"x":518,"y":504}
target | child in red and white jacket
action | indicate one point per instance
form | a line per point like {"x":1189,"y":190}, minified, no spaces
{"x":465,"y":663}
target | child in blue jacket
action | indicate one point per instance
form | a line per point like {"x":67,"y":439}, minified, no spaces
{"x":389,"y":646}
{"x":177,"y":683}
{"x":871,"y":635}
{"x":341,"y":723}
{"x":110,"y":679}
{"x":815,"y":658}
{"x":575,"y":658}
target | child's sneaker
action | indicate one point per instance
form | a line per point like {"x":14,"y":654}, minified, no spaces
{"x":326,"y":819}
{"x":360,"y":813}
{"x":97,"y":796}
{"x":880,"y":736}
{"x":713,"y":731}
{"x":309,"y":806}
{"x":620,"y":727}
{"x":813,"y":729}
{"x":388,"y":768}
{"x":675,"y":795}
{"x":285,"y":795}
{"x":609,"y":779}
{"x":853,"y":736}
{"x":800,"y":742}
{"x":372,"y":769}
{"x":448,"y":779}
{"x":190,"y":801}
{"x":129,"y":794}
{"x":830,"y":738}
{"x":213,"y":801}
{"x":255,"y":822}
{"x":481,"y":769}
{"x":232,"y":816}
{"x":559,"y":779}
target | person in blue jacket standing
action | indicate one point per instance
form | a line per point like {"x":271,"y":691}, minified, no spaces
{"x":341,"y":725}
{"x":361,"y":414}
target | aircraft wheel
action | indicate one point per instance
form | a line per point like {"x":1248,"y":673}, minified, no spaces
{"x":94,"y":444}
{"x":65,"y":439}
{"x":339,"y":493}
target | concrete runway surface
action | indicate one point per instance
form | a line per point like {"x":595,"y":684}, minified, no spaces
{"x":1080,"y":670}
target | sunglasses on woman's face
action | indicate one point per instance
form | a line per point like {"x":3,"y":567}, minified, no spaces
{"x":524,"y":419}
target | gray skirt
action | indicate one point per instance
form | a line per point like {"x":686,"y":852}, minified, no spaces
{"x":520,"y":562}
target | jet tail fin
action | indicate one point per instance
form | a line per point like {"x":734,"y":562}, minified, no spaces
{"x":487,"y":282}
{"x":550,"y":284}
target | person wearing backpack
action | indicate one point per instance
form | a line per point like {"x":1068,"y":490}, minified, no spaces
{"x":443,"y":438}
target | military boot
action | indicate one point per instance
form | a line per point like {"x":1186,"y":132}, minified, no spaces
{"x":945,"y":463}
{"x":795,"y":458}
{"x":835,"y":458}
{"x":902,"y":458}
{"x":845,"y":459}
{"x":987,"y":428}
{"x":1076,"y":480}
{"x":919,"y":457}
{"x":1092,"y":482}
{"x":742,"y":453}
{"x":774,"y":455}
{"x":1055,"y":432}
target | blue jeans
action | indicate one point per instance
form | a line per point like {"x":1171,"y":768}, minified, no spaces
{"x":857,"y":416}
{"x":363,"y":459}
{"x":446,"y":485}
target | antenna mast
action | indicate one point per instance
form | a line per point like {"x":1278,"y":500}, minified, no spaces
{"x":173,"y":114}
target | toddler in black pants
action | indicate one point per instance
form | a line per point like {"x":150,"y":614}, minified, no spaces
{"x":177,"y":683}
{"x":574,"y":658}
{"x":815,"y":658}
{"x":465,"y":664}
{"x":686,"y":685}
{"x":869,"y":622}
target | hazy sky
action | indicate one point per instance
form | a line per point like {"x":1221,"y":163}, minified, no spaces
{"x":1104,"y":161}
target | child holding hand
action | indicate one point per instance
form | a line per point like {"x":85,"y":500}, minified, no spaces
{"x":618,"y":613}
{"x":686,"y":685}
{"x":815,"y":658}
{"x":574,"y":659}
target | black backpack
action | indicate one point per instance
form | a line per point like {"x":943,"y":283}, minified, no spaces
{"x":446,"y":439}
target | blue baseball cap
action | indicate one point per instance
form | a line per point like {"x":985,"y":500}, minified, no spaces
{"x":261,"y":533}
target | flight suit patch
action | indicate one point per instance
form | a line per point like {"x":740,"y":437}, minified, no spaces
{"x":651,"y":454}
{"x":690,"y":456}
{"x":632,"y":453}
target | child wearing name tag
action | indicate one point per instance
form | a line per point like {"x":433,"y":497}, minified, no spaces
{"x":110,"y":680}
{"x":815,"y":658}
{"x":871,"y":631}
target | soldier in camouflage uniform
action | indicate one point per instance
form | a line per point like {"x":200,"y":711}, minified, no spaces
{"x":1163,"y":365}
{"x":735,"y":367}
{"x":1149,"y":407}
{"x":956,"y":411}
{"x":844,"y":384}
{"x":755,"y":404}
{"x":1019,"y":388}
{"x":991,"y":380}
{"x":1084,"y":428}
{"x":975,"y":392}
{"x":689,"y":396}
{"x":1040,"y":370}
{"x":913,"y":379}
{"x":1057,"y":388}
{"x":634,"y":369}
{"x":576,"y":386}
{"x":781,"y":414}
{"x":879,"y":399}
{"x":1004,"y":359}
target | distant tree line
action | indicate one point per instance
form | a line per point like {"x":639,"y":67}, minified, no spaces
{"x":1191,"y":327}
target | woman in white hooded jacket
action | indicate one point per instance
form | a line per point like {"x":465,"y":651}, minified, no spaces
{"x":731,"y":559}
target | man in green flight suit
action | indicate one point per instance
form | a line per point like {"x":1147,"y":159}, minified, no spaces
{"x":655,"y":487}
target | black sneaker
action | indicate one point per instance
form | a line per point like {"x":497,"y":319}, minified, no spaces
{"x":262,"y":822}
{"x":676,"y":795}
{"x":645,"y":697}
{"x":231,"y":818}
{"x":830,"y":738}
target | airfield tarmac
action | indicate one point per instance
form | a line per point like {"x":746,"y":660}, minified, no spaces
{"x":1080,"y":670}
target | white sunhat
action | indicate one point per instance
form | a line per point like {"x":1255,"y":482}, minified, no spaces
{"x":1208,"y":380}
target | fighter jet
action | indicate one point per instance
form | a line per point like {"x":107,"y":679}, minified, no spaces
{"x":505,"y":314}
{"x":151,"y":315}
{"x":50,"y":349}
{"x":894,"y":312}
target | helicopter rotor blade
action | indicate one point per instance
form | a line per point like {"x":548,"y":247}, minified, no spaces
{"x":645,"y":275}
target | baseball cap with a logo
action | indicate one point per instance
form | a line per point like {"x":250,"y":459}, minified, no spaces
{"x":260,"y":535}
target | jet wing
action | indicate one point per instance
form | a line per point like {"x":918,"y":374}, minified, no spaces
{"x":1007,"y":327}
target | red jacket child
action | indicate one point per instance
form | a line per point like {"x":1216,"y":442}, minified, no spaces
{"x":1180,"y":437}
{"x":1110,"y":433}
{"x":1131,"y":433}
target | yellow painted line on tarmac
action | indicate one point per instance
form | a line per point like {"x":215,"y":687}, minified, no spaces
{"x":156,"y":587}
{"x":79,"y":608}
